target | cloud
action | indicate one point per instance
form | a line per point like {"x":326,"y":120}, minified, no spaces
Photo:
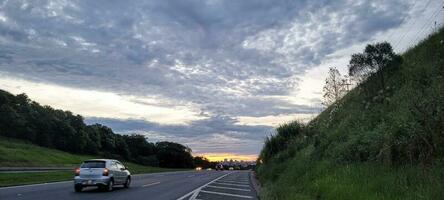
{"x":189,"y":69}
{"x":275,"y":121}
{"x":104,"y":104}
{"x":216,"y":134}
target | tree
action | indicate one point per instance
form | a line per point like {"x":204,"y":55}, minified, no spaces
{"x":200,"y":161}
{"x":174,"y":155}
{"x":22,"y":118}
{"x":139,"y":146}
{"x":335,"y":87}
{"x":374,"y":60}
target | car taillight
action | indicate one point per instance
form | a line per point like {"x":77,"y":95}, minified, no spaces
{"x":77,"y":171}
{"x":105,"y":172}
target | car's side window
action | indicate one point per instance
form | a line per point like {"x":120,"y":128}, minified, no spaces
{"x":119,"y":165}
{"x":114,"y":165}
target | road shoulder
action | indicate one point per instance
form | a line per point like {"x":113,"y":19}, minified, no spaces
{"x":255,"y":182}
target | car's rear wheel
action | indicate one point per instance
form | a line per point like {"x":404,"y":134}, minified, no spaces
{"x":110,"y":186}
{"x":127,"y":182}
{"x":78,"y":188}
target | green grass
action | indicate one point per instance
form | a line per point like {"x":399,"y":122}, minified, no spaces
{"x":11,"y":179}
{"x":18,"y":153}
{"x":375,"y":144}
{"x":302,"y":178}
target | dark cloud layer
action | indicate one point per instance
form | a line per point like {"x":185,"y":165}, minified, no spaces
{"x":224,"y":56}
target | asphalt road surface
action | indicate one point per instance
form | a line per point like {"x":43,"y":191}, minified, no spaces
{"x":204,"y":185}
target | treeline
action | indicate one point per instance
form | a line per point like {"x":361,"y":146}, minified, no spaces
{"x":394,"y":115}
{"x":25,"y":119}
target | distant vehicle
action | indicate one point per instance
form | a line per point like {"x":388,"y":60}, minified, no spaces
{"x":102,"y":173}
{"x":209,"y":169}
{"x":231,"y":168}
{"x":198,"y":168}
{"x":219,"y":167}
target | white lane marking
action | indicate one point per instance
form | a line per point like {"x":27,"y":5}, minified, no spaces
{"x":196,"y":191}
{"x":194,"y":196}
{"x":232,"y":184}
{"x":238,"y":180}
{"x":191,"y":176}
{"x":229,"y":188}
{"x":150,"y":184}
{"x":222,"y":181}
{"x":227,"y":194}
{"x":20,"y":186}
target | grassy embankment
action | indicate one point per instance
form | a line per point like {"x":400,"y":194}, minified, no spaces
{"x":374,"y":144}
{"x":17,"y":153}
{"x":303,"y":178}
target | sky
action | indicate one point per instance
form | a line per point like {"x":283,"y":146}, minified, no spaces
{"x":215,"y":75}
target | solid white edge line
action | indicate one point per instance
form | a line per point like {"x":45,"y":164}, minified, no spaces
{"x":227,"y":194}
{"x":38,"y":184}
{"x":199,"y":188}
{"x":229,"y":188}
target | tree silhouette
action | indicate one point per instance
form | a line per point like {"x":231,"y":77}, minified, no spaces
{"x":374,"y":60}
{"x":335,"y":87}
{"x":24,"y":119}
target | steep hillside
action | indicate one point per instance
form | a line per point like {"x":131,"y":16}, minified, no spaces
{"x":373,"y":144}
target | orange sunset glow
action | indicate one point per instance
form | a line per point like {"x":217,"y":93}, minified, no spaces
{"x":221,"y":156}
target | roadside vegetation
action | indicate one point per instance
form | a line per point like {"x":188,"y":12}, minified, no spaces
{"x":383,"y":139}
{"x":24,"y":119}
{"x":18,"y":153}
{"x":13,"y":179}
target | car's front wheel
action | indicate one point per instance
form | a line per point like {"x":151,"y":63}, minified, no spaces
{"x":127,"y":182}
{"x":78,"y":188}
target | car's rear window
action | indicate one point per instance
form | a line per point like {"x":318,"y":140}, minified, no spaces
{"x":93,"y":164}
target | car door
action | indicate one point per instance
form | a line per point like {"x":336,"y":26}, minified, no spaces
{"x":121,"y":172}
{"x":115,"y":171}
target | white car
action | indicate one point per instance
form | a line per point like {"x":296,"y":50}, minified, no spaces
{"x":102,"y":173}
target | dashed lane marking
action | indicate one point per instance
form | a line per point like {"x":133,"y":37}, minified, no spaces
{"x":150,"y":184}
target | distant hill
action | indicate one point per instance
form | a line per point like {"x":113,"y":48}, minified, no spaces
{"x":24,"y":119}
{"x":373,"y":144}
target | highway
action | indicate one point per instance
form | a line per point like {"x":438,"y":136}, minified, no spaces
{"x":203,"y":185}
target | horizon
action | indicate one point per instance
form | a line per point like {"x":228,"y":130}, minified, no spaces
{"x":216,"y":76}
